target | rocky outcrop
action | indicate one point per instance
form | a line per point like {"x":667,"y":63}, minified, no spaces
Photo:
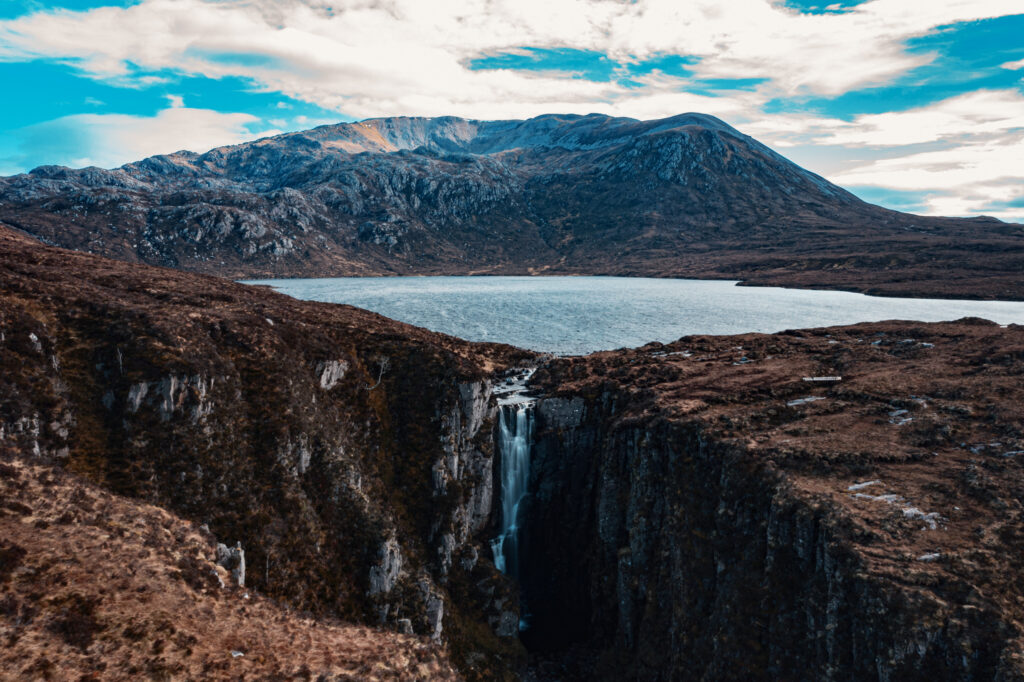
{"x":233,"y":559}
{"x":679,"y":531}
{"x":681,"y":196}
{"x":384,"y":575}
{"x":688,"y":516}
{"x":331,"y":372}
{"x":355,"y":491}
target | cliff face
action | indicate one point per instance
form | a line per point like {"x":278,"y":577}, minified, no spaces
{"x":705,"y":509}
{"x":681,"y":196}
{"x":674,"y":558}
{"x":351,"y":456}
{"x":695,"y":516}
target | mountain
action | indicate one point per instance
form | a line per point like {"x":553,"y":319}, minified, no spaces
{"x":682,"y":196}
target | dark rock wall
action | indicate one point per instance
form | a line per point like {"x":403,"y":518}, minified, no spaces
{"x":353,"y":491}
{"x":353,"y":459}
{"x":667,"y":556}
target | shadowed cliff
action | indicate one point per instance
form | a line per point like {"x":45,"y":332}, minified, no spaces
{"x":694,"y":510}
{"x":349,"y":454}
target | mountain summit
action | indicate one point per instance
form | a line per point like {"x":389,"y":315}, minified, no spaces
{"x":681,"y":196}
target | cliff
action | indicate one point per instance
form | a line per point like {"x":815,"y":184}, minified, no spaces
{"x":703,"y":511}
{"x":818,"y":504}
{"x":350,"y":455}
{"x":686,"y":196}
{"x":101,"y":587}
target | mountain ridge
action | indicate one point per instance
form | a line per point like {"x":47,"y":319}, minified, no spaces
{"x":685,"y":196}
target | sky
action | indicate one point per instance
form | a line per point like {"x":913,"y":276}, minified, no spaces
{"x":917,"y":105}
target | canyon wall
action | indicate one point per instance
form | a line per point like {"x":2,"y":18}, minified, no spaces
{"x":654,"y":552}
{"x":694,"y":511}
{"x":352,"y":458}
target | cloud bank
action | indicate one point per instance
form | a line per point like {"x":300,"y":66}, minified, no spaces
{"x":110,"y":140}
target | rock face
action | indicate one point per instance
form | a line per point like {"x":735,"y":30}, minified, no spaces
{"x":384,"y":575}
{"x":681,"y":196}
{"x":233,"y":559}
{"x":253,"y":413}
{"x":688,"y":516}
{"x":697,"y":518}
{"x":95,"y":585}
{"x":721,"y":575}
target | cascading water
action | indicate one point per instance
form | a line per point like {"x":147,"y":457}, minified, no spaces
{"x":515,"y":437}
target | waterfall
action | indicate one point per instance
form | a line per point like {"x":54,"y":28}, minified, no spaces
{"x":515,"y":437}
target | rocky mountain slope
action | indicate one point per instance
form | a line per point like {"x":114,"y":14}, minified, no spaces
{"x":696,"y":510}
{"x":682,"y":196}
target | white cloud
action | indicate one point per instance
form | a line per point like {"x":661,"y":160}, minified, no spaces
{"x":110,"y":140}
{"x":973,"y":114}
{"x":371,"y":58}
{"x":966,"y":179}
{"x":976,"y":113}
{"x":965,"y":151}
{"x":172,"y":129}
{"x":366,"y":58}
{"x":994,"y":163}
{"x":1014,"y":66}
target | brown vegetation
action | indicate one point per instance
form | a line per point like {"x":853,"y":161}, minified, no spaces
{"x":912,"y":463}
{"x":98,"y":587}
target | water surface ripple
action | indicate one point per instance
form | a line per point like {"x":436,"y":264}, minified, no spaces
{"x":576,"y":315}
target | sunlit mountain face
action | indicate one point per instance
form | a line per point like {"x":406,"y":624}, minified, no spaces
{"x":916,"y":108}
{"x":685,"y":196}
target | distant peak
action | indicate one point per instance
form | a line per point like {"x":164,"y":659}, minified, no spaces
{"x":696,"y":119}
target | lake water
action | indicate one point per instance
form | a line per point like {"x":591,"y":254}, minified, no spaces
{"x":575,"y":315}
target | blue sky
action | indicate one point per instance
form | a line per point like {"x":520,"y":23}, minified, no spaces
{"x":917,"y":106}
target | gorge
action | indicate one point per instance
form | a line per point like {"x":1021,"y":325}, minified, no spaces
{"x":685,"y":514}
{"x":512,"y":341}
